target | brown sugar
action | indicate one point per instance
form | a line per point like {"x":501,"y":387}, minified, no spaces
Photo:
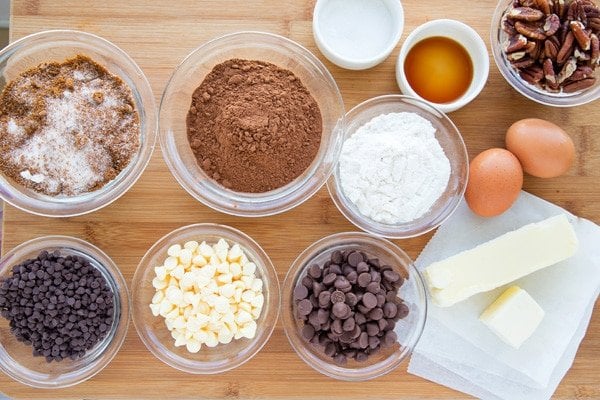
{"x":253,"y":126}
{"x":67,"y":128}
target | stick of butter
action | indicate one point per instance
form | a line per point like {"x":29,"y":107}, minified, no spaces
{"x":514,"y":316}
{"x":501,"y":260}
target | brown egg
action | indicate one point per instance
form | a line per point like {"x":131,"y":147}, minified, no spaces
{"x":495,"y":181}
{"x":543,"y":148}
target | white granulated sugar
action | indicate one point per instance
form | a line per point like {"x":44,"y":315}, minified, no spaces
{"x":14,"y":130}
{"x":54,"y":154}
{"x":393,"y":169}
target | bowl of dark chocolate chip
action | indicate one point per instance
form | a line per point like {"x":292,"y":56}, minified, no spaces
{"x":549,"y":50}
{"x":251,"y":124}
{"x":64,"y":312}
{"x":354,"y":306}
{"x":77,"y":123}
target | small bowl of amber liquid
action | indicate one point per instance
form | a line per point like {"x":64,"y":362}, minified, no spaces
{"x":443,"y":62}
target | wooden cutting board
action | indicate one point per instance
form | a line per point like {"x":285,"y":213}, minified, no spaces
{"x":158,"y":35}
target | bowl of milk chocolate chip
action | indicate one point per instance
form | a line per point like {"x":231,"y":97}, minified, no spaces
{"x":77,"y":123}
{"x":251,"y":124}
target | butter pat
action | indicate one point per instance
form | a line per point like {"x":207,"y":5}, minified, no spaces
{"x":501,"y":260}
{"x":514,"y":316}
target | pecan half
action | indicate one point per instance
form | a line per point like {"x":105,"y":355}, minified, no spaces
{"x":581,"y":72}
{"x":595,"y":50}
{"x":525,"y":14}
{"x":551,"y":24}
{"x":549,"y":73}
{"x":579,"y":85}
{"x":581,"y":55}
{"x":580,"y":34}
{"x":515,"y":43}
{"x":560,"y":8}
{"x":516,"y":56}
{"x":533,"y":74}
{"x":567,"y":70}
{"x":544,"y":6}
{"x":566,"y":49}
{"x":530,"y":30}
{"x":550,"y":49}
{"x":508,"y":26}
{"x":528,"y":3}
{"x":524,"y":62}
{"x":594,"y":23}
{"x":572,"y":11}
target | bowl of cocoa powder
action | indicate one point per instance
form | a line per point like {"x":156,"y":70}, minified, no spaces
{"x":77,"y":123}
{"x":549,"y":51}
{"x":251,"y":124}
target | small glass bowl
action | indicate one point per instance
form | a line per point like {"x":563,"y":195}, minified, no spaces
{"x":408,"y":330}
{"x":176,"y":101}
{"x":451,"y":142}
{"x":16,"y":359}
{"x":153,"y":331}
{"x":59,"y":45}
{"x":497,"y":39}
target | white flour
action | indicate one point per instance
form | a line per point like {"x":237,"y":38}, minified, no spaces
{"x":393,"y":169}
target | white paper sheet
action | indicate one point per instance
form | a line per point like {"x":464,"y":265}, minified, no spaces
{"x":564,"y":292}
{"x":470,"y":378}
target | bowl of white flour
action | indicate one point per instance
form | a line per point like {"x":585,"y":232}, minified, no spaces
{"x":403,"y":168}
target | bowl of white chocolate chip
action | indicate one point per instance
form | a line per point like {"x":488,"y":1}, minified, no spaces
{"x":205,"y":298}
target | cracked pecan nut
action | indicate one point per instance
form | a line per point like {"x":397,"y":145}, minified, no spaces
{"x":530,"y":30}
{"x":515,"y":43}
{"x":567,"y":70}
{"x":533,"y":74}
{"x":559,"y":8}
{"x":549,"y":73}
{"x":582,"y":37}
{"x":525,"y":14}
{"x":543,"y":6}
{"x":595,"y":50}
{"x":566,"y":49}
{"x":550,"y":49}
{"x":577,"y":86}
{"x":551,"y":24}
{"x":524,"y":62}
{"x":580,"y":73}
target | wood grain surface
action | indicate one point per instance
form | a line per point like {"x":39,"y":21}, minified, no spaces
{"x":158,"y":35}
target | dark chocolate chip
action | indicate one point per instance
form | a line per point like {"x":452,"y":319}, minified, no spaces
{"x":341,"y":310}
{"x":305,"y":307}
{"x":324,"y":299}
{"x":300,"y":293}
{"x":362,"y":267}
{"x":338,"y":297}
{"x":376,"y":314}
{"x":390,"y":338}
{"x":337,"y":257}
{"x":364,"y":279}
{"x":391,"y":276}
{"x":373,"y":287}
{"x":369,"y":300}
{"x":354,"y":258}
{"x":314,"y":271}
{"x":348,"y":325}
{"x":308,"y":332}
{"x":402,"y":311}
{"x":329,"y":279}
{"x":390,"y":310}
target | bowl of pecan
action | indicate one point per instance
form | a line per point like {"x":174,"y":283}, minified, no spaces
{"x":549,"y":50}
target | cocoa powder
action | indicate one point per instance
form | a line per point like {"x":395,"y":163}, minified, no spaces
{"x":253,"y":126}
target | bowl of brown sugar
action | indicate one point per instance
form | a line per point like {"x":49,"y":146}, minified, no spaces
{"x":77,"y":123}
{"x":251,"y":124}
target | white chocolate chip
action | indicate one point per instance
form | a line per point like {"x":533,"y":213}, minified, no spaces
{"x":207,"y":294}
{"x":174,"y":250}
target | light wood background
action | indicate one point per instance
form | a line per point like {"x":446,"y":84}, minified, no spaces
{"x":158,"y":34}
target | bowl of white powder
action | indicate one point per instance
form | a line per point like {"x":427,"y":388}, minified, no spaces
{"x":403,"y":168}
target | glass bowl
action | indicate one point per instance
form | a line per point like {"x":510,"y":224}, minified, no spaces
{"x":157,"y":337}
{"x":16,"y":359}
{"x":451,"y":142}
{"x":176,"y":102}
{"x":59,"y":45}
{"x":408,"y":330}
{"x":497,"y":39}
